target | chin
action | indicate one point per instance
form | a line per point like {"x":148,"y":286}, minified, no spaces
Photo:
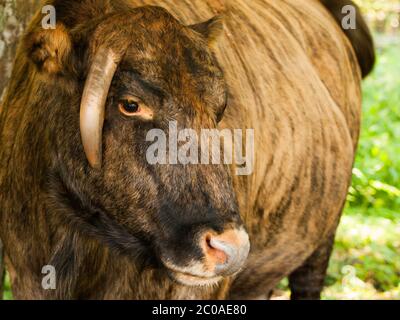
{"x":193,"y":281}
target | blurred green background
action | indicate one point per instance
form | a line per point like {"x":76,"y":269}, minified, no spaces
{"x":366,"y":260}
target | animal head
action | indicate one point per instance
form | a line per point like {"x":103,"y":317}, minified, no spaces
{"x":112,"y":77}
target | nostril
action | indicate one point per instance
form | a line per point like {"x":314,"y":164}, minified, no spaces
{"x":226,"y":253}
{"x":214,"y":252}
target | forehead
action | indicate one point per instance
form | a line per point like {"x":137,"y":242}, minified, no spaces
{"x":171,"y":55}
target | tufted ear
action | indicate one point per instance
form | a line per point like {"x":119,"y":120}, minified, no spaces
{"x":49,"y":49}
{"x":210,"y":29}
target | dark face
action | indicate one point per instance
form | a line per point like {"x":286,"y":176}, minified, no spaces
{"x":185,"y":215}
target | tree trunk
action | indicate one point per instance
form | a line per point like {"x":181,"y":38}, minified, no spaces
{"x":14,"y":17}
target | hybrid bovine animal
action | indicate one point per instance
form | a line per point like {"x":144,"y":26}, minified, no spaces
{"x":77,"y":192}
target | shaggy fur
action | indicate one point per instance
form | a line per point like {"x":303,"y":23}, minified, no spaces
{"x":288,"y":71}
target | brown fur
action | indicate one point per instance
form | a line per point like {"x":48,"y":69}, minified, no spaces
{"x":291,"y":74}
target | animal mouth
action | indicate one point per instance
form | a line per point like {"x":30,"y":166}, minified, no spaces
{"x":192,"y":275}
{"x":188,"y":279}
{"x":223,"y":255}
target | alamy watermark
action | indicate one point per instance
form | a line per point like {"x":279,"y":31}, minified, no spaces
{"x":49,"y":21}
{"x":49,"y":281}
{"x":349,"y":21}
{"x":188,"y":146}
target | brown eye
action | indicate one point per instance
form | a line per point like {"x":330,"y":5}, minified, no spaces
{"x":134,"y":107}
{"x":129,"y":107}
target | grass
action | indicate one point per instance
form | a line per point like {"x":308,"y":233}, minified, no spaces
{"x":365,"y":263}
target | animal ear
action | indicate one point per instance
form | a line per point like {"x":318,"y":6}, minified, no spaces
{"x":49,"y":49}
{"x":210,"y":29}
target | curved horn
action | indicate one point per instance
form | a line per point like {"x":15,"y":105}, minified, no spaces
{"x":93,"y":102}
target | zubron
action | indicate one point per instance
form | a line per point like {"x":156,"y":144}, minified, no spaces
{"x":74,"y":178}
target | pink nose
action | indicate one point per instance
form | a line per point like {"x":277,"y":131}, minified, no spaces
{"x":226,"y":253}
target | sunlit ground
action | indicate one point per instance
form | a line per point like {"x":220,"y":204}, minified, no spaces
{"x":366,"y":260}
{"x":365,"y":263}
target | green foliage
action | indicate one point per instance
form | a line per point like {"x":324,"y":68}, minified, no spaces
{"x":7,"y":289}
{"x":377,"y":169}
